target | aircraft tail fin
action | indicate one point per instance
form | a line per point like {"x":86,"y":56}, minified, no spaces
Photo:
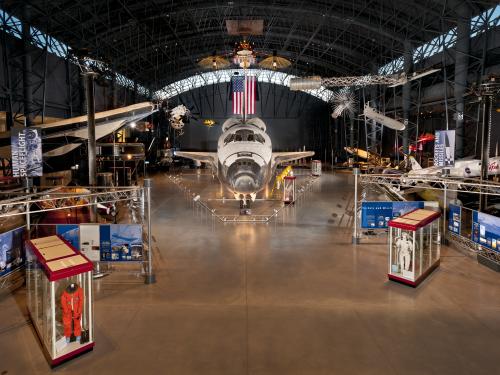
{"x":414,"y":164}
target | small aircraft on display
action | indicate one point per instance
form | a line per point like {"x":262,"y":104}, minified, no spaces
{"x":462,"y":168}
{"x":244,"y":161}
{"x":75,"y":129}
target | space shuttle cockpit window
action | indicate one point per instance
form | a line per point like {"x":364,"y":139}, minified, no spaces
{"x":260,"y":138}
{"x":229,"y":139}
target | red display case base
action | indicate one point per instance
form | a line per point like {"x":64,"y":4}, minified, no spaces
{"x":415,"y":283}
{"x":75,"y":353}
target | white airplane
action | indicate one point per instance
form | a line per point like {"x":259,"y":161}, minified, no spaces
{"x":244,"y":161}
{"x":462,"y":168}
{"x":55,"y":134}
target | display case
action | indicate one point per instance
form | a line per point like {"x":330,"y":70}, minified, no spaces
{"x":59,"y":284}
{"x":316,"y":167}
{"x":289,"y":189}
{"x":414,"y":246}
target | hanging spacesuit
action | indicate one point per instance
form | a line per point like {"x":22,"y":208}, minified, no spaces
{"x":72,"y":307}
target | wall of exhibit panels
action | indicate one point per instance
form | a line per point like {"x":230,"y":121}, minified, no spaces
{"x":99,"y":242}
{"x":58,"y":95}
{"x":476,"y":226}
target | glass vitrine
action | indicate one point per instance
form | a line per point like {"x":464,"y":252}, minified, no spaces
{"x":59,"y":284}
{"x":414,"y":246}
{"x":289,"y":189}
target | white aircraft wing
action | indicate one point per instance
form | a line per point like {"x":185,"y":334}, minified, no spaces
{"x":205,"y":157}
{"x":100,"y":130}
{"x":61,"y":150}
{"x":281,"y":157}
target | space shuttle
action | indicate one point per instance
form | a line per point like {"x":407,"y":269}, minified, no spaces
{"x":61,"y":137}
{"x":244,"y":161}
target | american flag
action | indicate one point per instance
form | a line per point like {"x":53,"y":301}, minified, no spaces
{"x":250,"y":85}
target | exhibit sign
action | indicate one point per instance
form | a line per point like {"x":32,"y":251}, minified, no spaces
{"x":376,"y":215}
{"x":26,"y":150}
{"x":454,"y":218}
{"x":105,"y":242}
{"x":90,"y":241}
{"x":71,"y":233}
{"x":11,"y":250}
{"x":444,"y":148}
{"x":486,"y":230}
{"x":121,"y":242}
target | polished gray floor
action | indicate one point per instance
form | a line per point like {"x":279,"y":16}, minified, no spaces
{"x":292,"y":297}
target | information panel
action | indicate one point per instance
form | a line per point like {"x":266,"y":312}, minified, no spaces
{"x":11,"y":250}
{"x":376,"y":215}
{"x":121,"y":242}
{"x":486,"y":230}
{"x":71,"y":233}
{"x":454,"y":218}
{"x":106,"y":242}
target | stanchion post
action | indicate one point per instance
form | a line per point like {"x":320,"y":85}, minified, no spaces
{"x":443,"y":235}
{"x":150,"y":277}
{"x":355,"y":238}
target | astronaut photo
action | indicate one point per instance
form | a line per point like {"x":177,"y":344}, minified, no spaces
{"x":404,"y":250}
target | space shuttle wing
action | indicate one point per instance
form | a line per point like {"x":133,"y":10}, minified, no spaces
{"x":205,"y":157}
{"x":281,"y":157}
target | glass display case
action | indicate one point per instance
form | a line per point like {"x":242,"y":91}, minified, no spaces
{"x":59,"y":284}
{"x":316,"y":167}
{"x":289,"y":189}
{"x":414,"y":246}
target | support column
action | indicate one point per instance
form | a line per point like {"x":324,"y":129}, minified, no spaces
{"x":27,"y":68}
{"x":461,"y":68}
{"x":134,"y":97}
{"x":113,"y":92}
{"x":91,"y":146}
{"x":373,"y":124}
{"x":408,"y":62}
{"x":487,"y":103}
{"x":351,"y":131}
{"x":8,"y":82}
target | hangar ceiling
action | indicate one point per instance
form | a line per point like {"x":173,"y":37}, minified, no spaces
{"x":156,"y":42}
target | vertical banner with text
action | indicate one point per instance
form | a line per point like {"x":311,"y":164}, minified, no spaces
{"x":444,"y":148}
{"x":26,"y":149}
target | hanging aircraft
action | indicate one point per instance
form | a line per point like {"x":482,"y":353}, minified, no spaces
{"x":244,"y":161}
{"x":61,"y":137}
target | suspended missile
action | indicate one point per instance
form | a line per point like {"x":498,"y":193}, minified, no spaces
{"x":373,"y":114}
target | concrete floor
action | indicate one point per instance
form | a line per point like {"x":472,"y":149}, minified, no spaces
{"x":291,"y":298}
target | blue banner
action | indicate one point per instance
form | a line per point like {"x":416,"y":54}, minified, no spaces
{"x":71,"y":233}
{"x":444,"y":148}
{"x":486,"y":230}
{"x":11,"y":250}
{"x":376,"y":215}
{"x":454,"y":218}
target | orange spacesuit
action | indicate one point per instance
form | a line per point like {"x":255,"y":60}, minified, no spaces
{"x":72,"y":306}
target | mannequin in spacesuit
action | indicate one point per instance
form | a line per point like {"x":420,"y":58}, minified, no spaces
{"x":72,"y":307}
{"x":404,"y":249}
